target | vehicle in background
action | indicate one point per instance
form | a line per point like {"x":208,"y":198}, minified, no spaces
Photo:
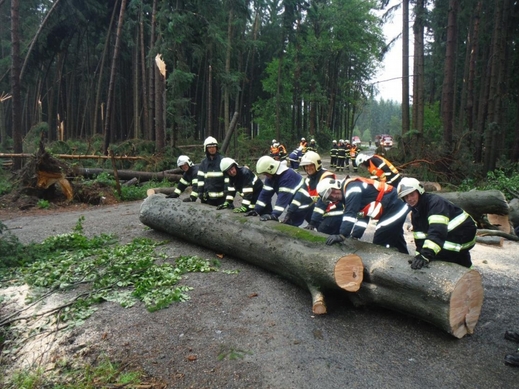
{"x":384,"y":140}
{"x":355,"y":140}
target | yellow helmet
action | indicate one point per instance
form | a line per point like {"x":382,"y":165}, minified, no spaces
{"x":267,"y":164}
{"x":312,"y":158}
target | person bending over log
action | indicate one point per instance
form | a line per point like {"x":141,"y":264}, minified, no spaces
{"x":442,"y":231}
{"x":189,"y":178}
{"x":280,"y":180}
{"x":211,"y":182}
{"x":379,"y":168}
{"x":319,"y":216}
{"x":241,"y":180}
{"x":363,"y":199}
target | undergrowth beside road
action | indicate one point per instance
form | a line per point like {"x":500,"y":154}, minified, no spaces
{"x":84,"y":272}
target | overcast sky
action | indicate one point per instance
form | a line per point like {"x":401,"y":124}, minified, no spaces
{"x":389,"y":77}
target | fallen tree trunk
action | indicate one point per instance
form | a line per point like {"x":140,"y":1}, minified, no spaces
{"x":479,"y":203}
{"x":74,"y":156}
{"x":446,"y":295}
{"x":129,"y":174}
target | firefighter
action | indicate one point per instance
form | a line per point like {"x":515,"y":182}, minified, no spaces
{"x":354,"y":151}
{"x":347,"y":146}
{"x":341,"y":156}
{"x":211,"y":180}
{"x":189,"y":178}
{"x":278,"y":151}
{"x":333,"y":154}
{"x":365,"y":199}
{"x":242,"y":180}
{"x":302,"y":205}
{"x":280,"y":180}
{"x":380,"y":169}
{"x":312,"y":146}
{"x":295,"y":157}
{"x":304,"y":144}
{"x":442,"y":231}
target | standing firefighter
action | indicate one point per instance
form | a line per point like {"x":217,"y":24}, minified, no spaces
{"x":312,"y":146}
{"x":242,"y":180}
{"x":189,"y":178}
{"x":280,"y":180}
{"x":333,"y":154}
{"x":442,"y":231}
{"x":302,"y":205}
{"x":364,"y":199}
{"x":354,"y":151}
{"x":380,"y":168}
{"x":211,"y":181}
{"x":341,"y":156}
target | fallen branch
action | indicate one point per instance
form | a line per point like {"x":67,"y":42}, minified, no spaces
{"x":484,"y":232}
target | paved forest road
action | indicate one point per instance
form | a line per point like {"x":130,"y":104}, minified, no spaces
{"x":269,"y":322}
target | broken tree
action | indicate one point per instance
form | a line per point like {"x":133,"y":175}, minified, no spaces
{"x":446,"y":295}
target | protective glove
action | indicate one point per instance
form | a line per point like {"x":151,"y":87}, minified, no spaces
{"x":172,"y":195}
{"x":332,"y":239}
{"x":267,"y":217}
{"x":311,"y":227}
{"x":419,"y":261}
{"x":287,"y":220}
{"x":241,"y":209}
{"x":225,"y":206}
{"x":251,"y":213}
{"x":190,"y":199}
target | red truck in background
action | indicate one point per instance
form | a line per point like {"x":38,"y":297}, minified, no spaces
{"x":384,"y":140}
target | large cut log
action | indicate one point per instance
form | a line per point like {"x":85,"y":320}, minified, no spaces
{"x":479,"y":203}
{"x":446,"y":295}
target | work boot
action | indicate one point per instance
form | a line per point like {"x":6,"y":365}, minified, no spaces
{"x":512,"y":359}
{"x":513,"y":336}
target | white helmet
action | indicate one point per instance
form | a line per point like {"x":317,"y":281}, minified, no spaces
{"x":312,"y":140}
{"x":312,"y":158}
{"x":361,"y":158}
{"x":183,"y":159}
{"x":210,"y":141}
{"x":347,"y":141}
{"x":409,"y":185}
{"x":267,"y":164}
{"x":227,"y":163}
{"x":274,"y":141}
{"x":303,"y":139}
{"x":334,"y":141}
{"x":325,"y":186}
{"x":341,"y":140}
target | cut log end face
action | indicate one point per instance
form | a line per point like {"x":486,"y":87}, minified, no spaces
{"x":349,"y":272}
{"x":465,"y":304}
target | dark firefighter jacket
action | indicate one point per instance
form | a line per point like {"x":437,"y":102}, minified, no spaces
{"x":247,"y":184}
{"x":211,"y":181}
{"x":189,"y":178}
{"x":440,"y":225}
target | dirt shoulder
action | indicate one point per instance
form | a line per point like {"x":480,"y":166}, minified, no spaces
{"x":253,"y":329}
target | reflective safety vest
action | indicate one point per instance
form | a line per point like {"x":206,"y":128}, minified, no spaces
{"x":374,"y":209}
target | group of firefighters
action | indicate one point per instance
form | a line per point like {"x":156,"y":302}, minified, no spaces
{"x":340,"y":208}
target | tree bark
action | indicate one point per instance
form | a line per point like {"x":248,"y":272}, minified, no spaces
{"x":129,"y":174}
{"x":479,"y":203}
{"x":405,"y":67}
{"x":15,"y":81}
{"x":446,"y":295}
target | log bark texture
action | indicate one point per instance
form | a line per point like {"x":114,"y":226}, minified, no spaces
{"x":479,"y":203}
{"x":129,"y":174}
{"x":446,"y":295}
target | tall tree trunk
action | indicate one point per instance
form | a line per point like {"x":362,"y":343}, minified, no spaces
{"x":109,"y":99}
{"x":135,"y":89}
{"x":15,"y":81}
{"x":418,"y":73}
{"x":470,"y":112}
{"x":448,"y":75}
{"x":226,"y":96}
{"x":160,"y":104}
{"x":405,"y":67}
{"x":494,"y":130}
{"x":209,"y":129}
{"x":152,"y":72}
{"x":145,"y":109}
{"x":97,"y":106}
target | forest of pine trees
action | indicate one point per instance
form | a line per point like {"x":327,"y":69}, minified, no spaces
{"x":81,"y":69}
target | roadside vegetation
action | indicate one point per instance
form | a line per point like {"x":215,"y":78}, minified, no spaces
{"x":84,"y":272}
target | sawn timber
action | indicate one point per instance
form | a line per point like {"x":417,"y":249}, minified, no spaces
{"x":446,"y":295}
